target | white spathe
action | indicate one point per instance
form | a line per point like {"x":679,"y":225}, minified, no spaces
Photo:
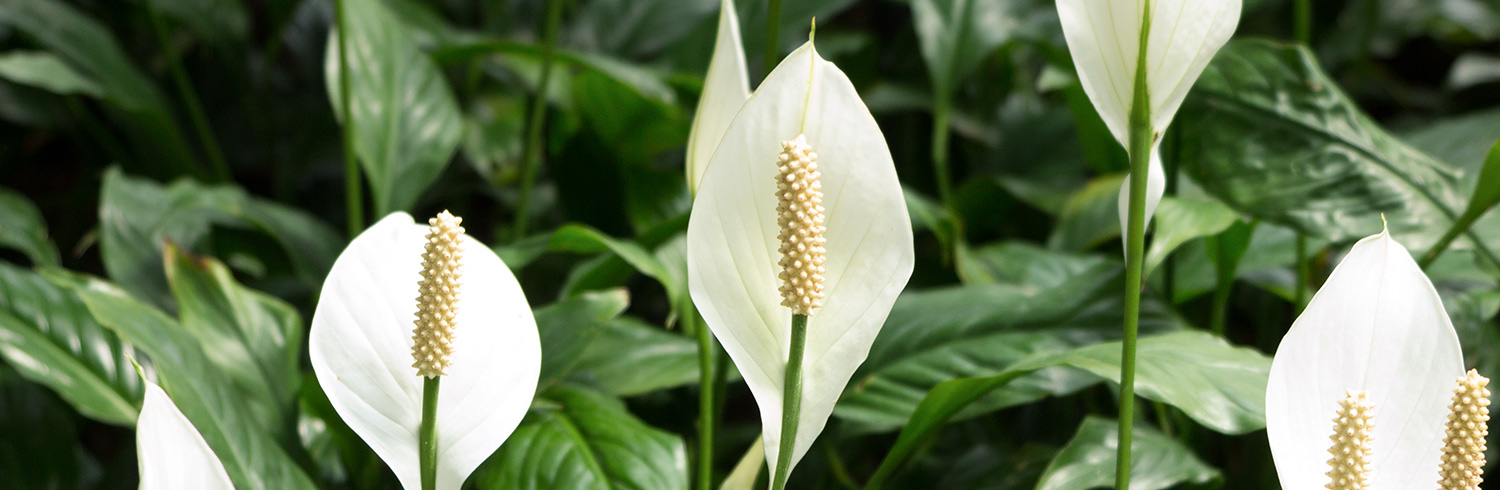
{"x":725,"y":89}
{"x":732,"y":245}
{"x":1376,"y":326}
{"x":361,"y":340}
{"x":1104,"y":39}
{"x":171,"y":453}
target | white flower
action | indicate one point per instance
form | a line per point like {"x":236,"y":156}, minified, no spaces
{"x":361,"y":348}
{"x":725,"y":89}
{"x":171,"y":452}
{"x":733,"y":246}
{"x":1378,"y":327}
{"x":1104,"y":38}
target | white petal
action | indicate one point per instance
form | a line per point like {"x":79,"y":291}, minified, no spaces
{"x":1104,"y":38}
{"x":743,"y":476}
{"x":732,"y":258}
{"x":725,"y":89}
{"x":1377,"y":325}
{"x":361,"y":342}
{"x":1156,"y":186}
{"x":172,"y":454}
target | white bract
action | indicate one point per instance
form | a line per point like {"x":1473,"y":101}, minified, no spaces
{"x":732,"y":244}
{"x":725,"y":89}
{"x":1104,"y":38}
{"x":361,"y":349}
{"x":1378,"y":327}
{"x":171,"y":453}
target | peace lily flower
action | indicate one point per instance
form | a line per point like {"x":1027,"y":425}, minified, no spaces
{"x":1104,"y":37}
{"x":725,"y":89}
{"x":1375,"y":354}
{"x":473,"y":330}
{"x":798,"y":244}
{"x":171,"y":453}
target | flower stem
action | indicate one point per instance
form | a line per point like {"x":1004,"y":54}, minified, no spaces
{"x":1459,"y":226}
{"x":427,"y":434}
{"x":791,"y":403}
{"x":706,"y":407}
{"x":1141,"y":139}
{"x":1304,"y":22}
{"x":773,"y":24}
{"x":1303,"y":270}
{"x":531,"y":155}
{"x":219,"y":170}
{"x":941,"y":106}
{"x":353,"y":200}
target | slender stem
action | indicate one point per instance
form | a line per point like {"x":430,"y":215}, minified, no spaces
{"x":427,"y":434}
{"x":1304,"y":22}
{"x":353,"y":199}
{"x":1223,"y":279}
{"x":837,"y":469}
{"x":941,"y":107}
{"x":1459,"y":226}
{"x":1164,"y":419}
{"x":706,"y":406}
{"x":219,"y":170}
{"x":1300,"y":295}
{"x":791,"y":403}
{"x":532,"y":155}
{"x":773,"y":38}
{"x":1141,"y":138}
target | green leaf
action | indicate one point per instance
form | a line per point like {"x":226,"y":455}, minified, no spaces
{"x":1156,"y":462}
{"x":46,"y":71}
{"x":217,"y":21}
{"x":1487,"y":189}
{"x":1179,"y":220}
{"x":635,"y":29}
{"x":957,"y":35}
{"x":137,"y":217}
{"x":38,"y":442}
{"x":568,"y":327}
{"x":1461,"y":141}
{"x":253,"y":338}
{"x":1024,"y":264}
{"x":1090,"y":217}
{"x":405,"y":120}
{"x":631,"y":357}
{"x":1228,"y":248}
{"x":48,"y":336}
{"x":1268,"y":132}
{"x":579,"y":439}
{"x":637,"y":129}
{"x":221,"y":413}
{"x":22,"y":228}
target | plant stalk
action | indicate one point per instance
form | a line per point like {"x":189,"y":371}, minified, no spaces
{"x":1141,"y":138}
{"x":531,"y":155}
{"x":1303,"y":271}
{"x":940,"y":114}
{"x":773,"y":38}
{"x":707,"y":413}
{"x":1304,"y":22}
{"x":791,"y":403}
{"x":353,"y":192}
{"x":427,"y":434}
{"x":219,"y":168}
{"x":1223,"y":281}
{"x":1459,"y":226}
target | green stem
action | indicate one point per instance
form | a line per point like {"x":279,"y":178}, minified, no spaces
{"x":773,"y":24}
{"x":353,"y":199}
{"x":1304,"y":22}
{"x":1141,"y":139}
{"x":219,"y":170}
{"x":791,"y":403}
{"x":1164,"y":419}
{"x":1223,"y":280}
{"x":531,"y":155}
{"x":1459,"y":227}
{"x":1300,"y":295}
{"x":427,"y":434}
{"x":940,"y":115}
{"x":706,"y":405}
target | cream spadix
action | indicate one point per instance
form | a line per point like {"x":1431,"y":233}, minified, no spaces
{"x":1468,"y":425}
{"x":734,"y":246}
{"x":1104,"y":38}
{"x":1376,"y":326}
{"x":725,"y":89}
{"x":1349,"y":466}
{"x":172,"y":454}
{"x":363,"y":345}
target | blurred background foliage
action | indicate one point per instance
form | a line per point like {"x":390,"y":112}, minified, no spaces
{"x":173,"y":191}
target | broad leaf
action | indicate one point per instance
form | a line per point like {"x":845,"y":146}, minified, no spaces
{"x":631,"y":357}
{"x":217,"y":21}
{"x":405,"y":120}
{"x":1156,"y":462}
{"x":38,"y":442}
{"x":1090,"y":217}
{"x":569,"y":327}
{"x":957,"y":35}
{"x":46,"y":71}
{"x":580,"y":439}
{"x":22,"y":228}
{"x":1184,"y":219}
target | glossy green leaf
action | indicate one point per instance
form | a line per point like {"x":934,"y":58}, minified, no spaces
{"x":46,"y":71}
{"x":405,"y":120}
{"x":38,"y":442}
{"x":568,"y":327}
{"x":637,"y":28}
{"x":205,"y":395}
{"x":1184,"y":219}
{"x":253,"y":338}
{"x":957,"y":35}
{"x":22,"y":228}
{"x":1268,"y":132}
{"x":631,"y":357}
{"x":1157,"y":461}
{"x":1487,"y":189}
{"x":580,"y":439}
{"x":1461,"y":141}
{"x":1090,"y":217}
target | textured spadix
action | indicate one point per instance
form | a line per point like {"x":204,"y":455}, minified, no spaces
{"x":725,"y":88}
{"x":1468,"y":424}
{"x":733,"y":248}
{"x":1104,"y":38}
{"x":361,"y":349}
{"x":1349,"y":461}
{"x":171,"y":452}
{"x":799,"y":214}
{"x":437,"y":296}
{"x":1377,"y":326}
